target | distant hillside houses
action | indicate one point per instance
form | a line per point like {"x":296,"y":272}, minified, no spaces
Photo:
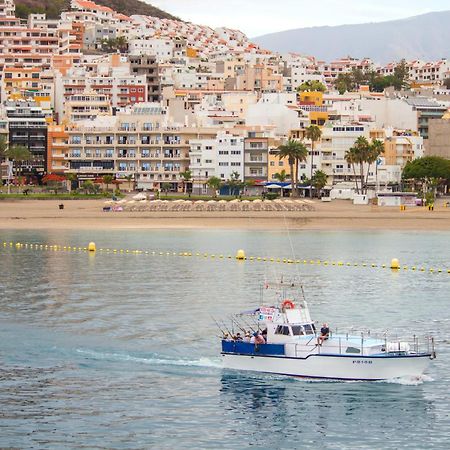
{"x":97,"y":93}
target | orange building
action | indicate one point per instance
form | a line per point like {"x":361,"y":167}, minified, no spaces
{"x":57,"y":142}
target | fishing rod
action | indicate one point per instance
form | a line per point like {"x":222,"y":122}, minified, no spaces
{"x":238,"y":324}
{"x":248,"y":325}
{"x":218,"y":326}
{"x":226,"y":328}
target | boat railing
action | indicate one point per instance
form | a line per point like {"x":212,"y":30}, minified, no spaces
{"x":339,"y":344}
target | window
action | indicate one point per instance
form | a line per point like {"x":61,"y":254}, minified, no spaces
{"x":352,"y":350}
{"x":223,"y":163}
{"x":283,"y":329}
{"x":272,"y":163}
{"x":298,"y":330}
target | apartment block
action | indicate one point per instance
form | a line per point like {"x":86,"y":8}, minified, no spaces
{"x":148,"y":66}
{"x":140,"y":144}
{"x":28,"y":127}
{"x":57,"y":148}
{"x":256,"y":149}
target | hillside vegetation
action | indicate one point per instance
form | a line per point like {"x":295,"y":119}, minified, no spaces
{"x":53,"y":8}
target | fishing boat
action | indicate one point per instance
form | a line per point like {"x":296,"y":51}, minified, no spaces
{"x":286,"y":341}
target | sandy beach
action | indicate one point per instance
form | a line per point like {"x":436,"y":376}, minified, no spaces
{"x":336,"y":215}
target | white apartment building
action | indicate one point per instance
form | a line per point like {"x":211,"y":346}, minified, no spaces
{"x":218,"y":157}
{"x":163,"y":49}
{"x":140,"y":143}
{"x":7,"y":8}
{"x":329,"y":154}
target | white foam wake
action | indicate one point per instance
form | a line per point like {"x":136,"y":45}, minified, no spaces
{"x":409,"y":380}
{"x":152,"y":359}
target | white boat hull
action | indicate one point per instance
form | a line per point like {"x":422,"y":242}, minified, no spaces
{"x":331,"y":367}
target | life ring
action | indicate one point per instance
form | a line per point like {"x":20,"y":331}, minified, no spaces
{"x":288,"y":304}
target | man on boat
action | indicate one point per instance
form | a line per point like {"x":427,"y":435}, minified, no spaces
{"x":324,"y":334}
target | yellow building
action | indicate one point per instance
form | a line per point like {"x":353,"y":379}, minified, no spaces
{"x":312,"y":98}
{"x":28,"y":83}
{"x":318,"y":117}
{"x":275,"y":164}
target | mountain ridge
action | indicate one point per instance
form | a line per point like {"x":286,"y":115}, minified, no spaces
{"x":425,"y":36}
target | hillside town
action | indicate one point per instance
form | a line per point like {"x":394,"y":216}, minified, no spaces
{"x":163,"y":105}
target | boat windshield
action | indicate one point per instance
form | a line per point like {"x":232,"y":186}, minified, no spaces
{"x":300,"y":330}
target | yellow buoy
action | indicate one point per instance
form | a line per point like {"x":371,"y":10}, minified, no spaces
{"x":240,"y":255}
{"x":92,"y":247}
{"x":395,"y":264}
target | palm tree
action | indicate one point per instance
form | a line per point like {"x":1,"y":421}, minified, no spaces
{"x":121,"y":44}
{"x":362,"y":150}
{"x":319,"y":180}
{"x":295,"y":152}
{"x":107,"y":179}
{"x":376,"y":149}
{"x":352,"y":158}
{"x":130,"y":178}
{"x":18,"y":154}
{"x":214,"y":183}
{"x":71,"y":177}
{"x":234,"y":183}
{"x":281,"y":177}
{"x":187,"y":176}
{"x":313,"y":133}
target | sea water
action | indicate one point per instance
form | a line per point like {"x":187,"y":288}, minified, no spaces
{"x":119,"y":350}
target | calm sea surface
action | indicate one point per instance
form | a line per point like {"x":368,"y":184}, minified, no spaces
{"x":120,"y":351}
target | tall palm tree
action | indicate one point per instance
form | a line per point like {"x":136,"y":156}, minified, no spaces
{"x":294,"y":151}
{"x":376,"y":149}
{"x":281,"y":177}
{"x":313,"y":133}
{"x":352,"y":158}
{"x":362,"y":151}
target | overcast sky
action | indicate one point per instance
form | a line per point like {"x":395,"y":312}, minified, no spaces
{"x":257,"y":17}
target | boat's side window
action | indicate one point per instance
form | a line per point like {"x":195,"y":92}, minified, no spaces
{"x":282,"y":329}
{"x":308,"y":329}
{"x":352,"y":350}
{"x":298,"y":330}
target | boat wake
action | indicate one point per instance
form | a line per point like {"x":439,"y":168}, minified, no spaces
{"x":409,"y":381}
{"x":151,"y":359}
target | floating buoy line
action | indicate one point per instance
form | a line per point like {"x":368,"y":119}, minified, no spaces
{"x":240,"y":255}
